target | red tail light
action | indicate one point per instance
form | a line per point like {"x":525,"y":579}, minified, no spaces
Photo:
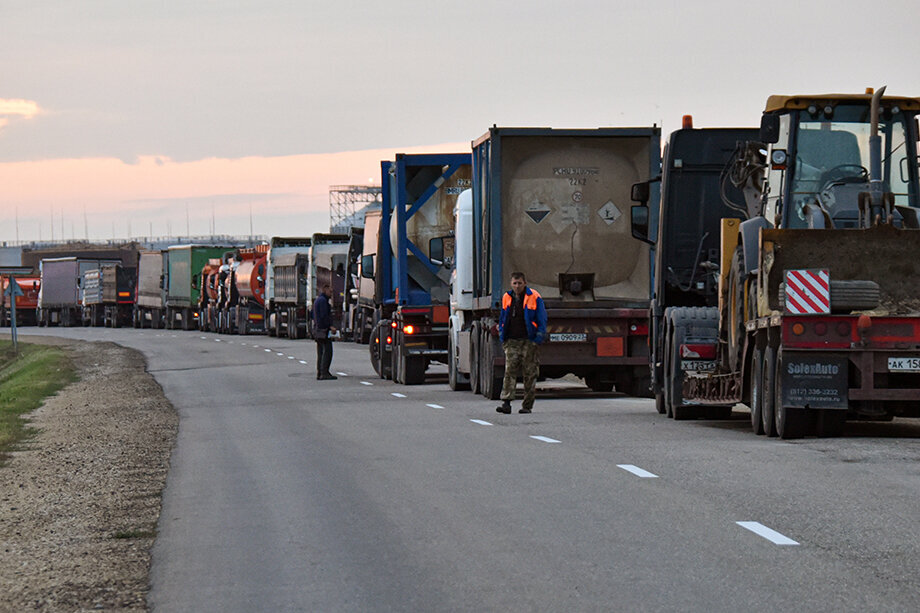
{"x":389,"y":340}
{"x":409,"y":329}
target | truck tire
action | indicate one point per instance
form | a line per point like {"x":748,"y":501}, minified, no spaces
{"x":757,"y":391}
{"x":475,"y":375}
{"x":491,"y":385}
{"x":769,"y":391}
{"x":412,"y":368}
{"x":455,"y":379}
{"x":374,"y":349}
{"x":659,"y":403}
{"x":791,"y":423}
{"x":735,"y":304}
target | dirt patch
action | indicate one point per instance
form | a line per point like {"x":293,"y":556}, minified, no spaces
{"x":79,"y":502}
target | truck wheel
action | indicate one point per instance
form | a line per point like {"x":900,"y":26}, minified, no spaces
{"x":757,"y":391}
{"x":413,"y":369}
{"x":491,"y":385}
{"x":829,"y":422}
{"x":790,"y":422}
{"x":455,"y":379}
{"x":597,"y":384}
{"x":769,"y":392}
{"x":659,"y":403}
{"x":475,"y":375}
{"x":374,"y":349}
{"x":736,"y":331}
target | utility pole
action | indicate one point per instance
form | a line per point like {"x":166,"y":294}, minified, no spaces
{"x":85,"y":225}
{"x":188,"y":233}
{"x":17,"y":224}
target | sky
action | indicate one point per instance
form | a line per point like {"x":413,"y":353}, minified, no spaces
{"x":130,"y":118}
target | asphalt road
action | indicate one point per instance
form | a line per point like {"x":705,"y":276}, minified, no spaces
{"x":289,"y":494}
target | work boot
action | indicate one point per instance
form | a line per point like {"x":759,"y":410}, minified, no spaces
{"x":525,"y":411}
{"x":504,"y":408}
{"x":329,"y":376}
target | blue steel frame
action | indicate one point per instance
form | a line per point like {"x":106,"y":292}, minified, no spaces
{"x":487,"y":183}
{"x":394,"y":178}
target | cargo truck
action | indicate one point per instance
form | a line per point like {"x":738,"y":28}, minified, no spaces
{"x":25,"y":304}
{"x":353,"y":327}
{"x":209,"y":297}
{"x":184,"y":282}
{"x":415,"y":255}
{"x":108,"y":295}
{"x":367,"y":286}
{"x":60,"y":298}
{"x":246,"y":307}
{"x":552,"y":204}
{"x":328,"y":258}
{"x":696,"y":194}
{"x":288,"y":271}
{"x":152,"y":271}
{"x":819,"y":312}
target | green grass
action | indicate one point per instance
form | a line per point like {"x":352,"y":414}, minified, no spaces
{"x":25,"y":381}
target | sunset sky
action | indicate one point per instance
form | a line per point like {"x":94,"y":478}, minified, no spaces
{"x":118,"y":117}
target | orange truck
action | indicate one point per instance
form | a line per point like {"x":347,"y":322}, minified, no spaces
{"x":25,"y":304}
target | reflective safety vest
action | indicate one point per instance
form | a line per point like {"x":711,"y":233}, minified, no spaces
{"x":534,"y":315}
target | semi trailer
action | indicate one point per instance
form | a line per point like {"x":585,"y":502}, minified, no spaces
{"x":287,"y":274}
{"x":552,"y":204}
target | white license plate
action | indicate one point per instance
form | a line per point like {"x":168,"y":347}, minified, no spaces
{"x":567,"y":338}
{"x":698,"y":365}
{"x":904,"y":364}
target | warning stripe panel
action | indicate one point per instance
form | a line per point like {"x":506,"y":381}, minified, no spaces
{"x":808,"y":292}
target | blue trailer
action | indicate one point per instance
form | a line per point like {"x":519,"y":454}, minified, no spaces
{"x":413,"y":262}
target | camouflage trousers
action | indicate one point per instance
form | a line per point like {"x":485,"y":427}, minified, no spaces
{"x":520,"y":359}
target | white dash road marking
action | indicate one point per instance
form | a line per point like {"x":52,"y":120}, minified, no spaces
{"x":397,"y":394}
{"x":545,"y":439}
{"x":243,"y":344}
{"x":434,"y":406}
{"x":280,"y":354}
{"x":366,"y":383}
{"x":637,"y":471}
{"x":771,"y":535}
{"x":342,"y":374}
{"x":302,"y":361}
{"x":204,"y":338}
{"x":268,"y":350}
{"x":480,"y":422}
{"x":256,"y":346}
{"x":290,"y":357}
{"x":217,"y":340}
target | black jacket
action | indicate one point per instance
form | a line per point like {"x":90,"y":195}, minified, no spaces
{"x":322,"y":313}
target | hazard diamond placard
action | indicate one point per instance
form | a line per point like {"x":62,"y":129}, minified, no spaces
{"x":808,"y":292}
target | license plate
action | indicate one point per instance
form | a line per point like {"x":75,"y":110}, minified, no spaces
{"x":567,"y":338}
{"x":904,"y":364}
{"x":698,"y":365}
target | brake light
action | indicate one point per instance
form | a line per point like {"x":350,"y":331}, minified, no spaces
{"x":389,"y":340}
{"x":409,"y":329}
{"x":392,"y":324}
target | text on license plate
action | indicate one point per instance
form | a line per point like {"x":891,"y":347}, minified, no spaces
{"x":698,"y":365}
{"x":904,"y":364}
{"x":567,"y":338}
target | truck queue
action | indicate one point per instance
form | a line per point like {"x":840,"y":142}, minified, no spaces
{"x":657,"y":273}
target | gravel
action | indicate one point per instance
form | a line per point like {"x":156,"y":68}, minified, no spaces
{"x":79,"y":501}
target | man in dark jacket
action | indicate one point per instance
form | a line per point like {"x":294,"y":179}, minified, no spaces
{"x":322,"y":327}
{"x":521,"y":328}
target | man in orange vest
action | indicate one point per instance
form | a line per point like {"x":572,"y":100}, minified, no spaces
{"x":521,"y":328}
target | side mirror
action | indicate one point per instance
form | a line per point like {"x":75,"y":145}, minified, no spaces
{"x":367,"y":267}
{"x":638,"y":219}
{"x":639,"y":192}
{"x":769,"y":129}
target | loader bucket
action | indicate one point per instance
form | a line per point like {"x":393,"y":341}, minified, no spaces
{"x":887,"y":255}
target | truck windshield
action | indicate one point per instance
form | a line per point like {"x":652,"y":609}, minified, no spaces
{"x":832,"y":162}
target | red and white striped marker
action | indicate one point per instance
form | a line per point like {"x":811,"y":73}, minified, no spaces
{"x":808,"y":292}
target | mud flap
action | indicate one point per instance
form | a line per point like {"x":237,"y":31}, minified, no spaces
{"x":814,"y":381}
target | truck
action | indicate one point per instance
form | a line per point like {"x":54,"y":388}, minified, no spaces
{"x":60,"y":297}
{"x":245,"y":310}
{"x":353,"y":326}
{"x":183,"y":282}
{"x":551,"y":203}
{"x":209,"y":297}
{"x":818,"y":316}
{"x":328,"y":258}
{"x":415,"y":255}
{"x":288,"y":300}
{"x":152,"y":275}
{"x":365,"y":303}
{"x":25,"y":304}
{"x":695,"y":194}
{"x":109,"y":295}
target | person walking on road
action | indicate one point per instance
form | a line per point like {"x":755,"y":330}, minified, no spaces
{"x":322,"y":327}
{"x":521,"y":328}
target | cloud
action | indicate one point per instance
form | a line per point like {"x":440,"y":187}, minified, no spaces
{"x":19,"y":107}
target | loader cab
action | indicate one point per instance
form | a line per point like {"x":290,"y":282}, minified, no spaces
{"x":818,"y":159}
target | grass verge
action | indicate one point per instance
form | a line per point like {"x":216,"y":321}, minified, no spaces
{"x":25,"y":381}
